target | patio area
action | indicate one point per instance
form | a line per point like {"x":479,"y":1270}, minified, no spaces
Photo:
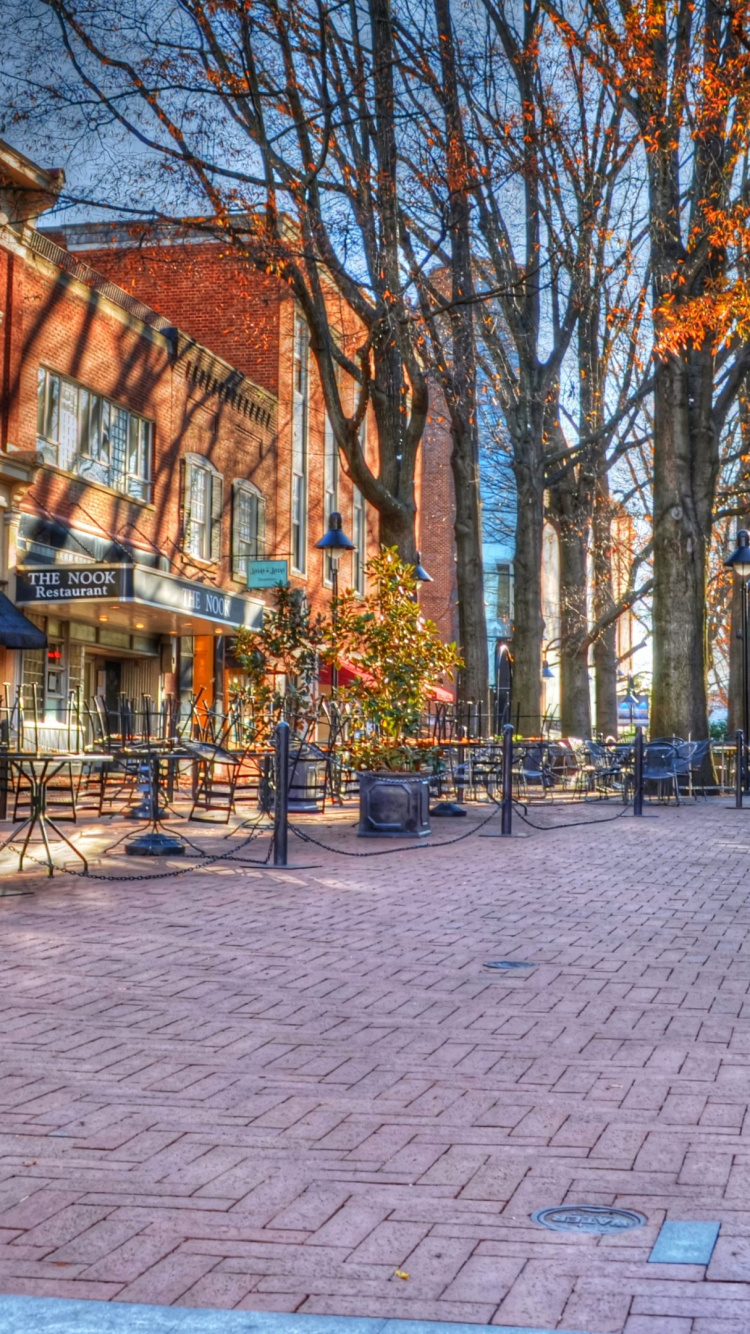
{"x":302,"y":1090}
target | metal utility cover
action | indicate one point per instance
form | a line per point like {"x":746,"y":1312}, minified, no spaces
{"x":684,"y":1243}
{"x":588,"y":1218}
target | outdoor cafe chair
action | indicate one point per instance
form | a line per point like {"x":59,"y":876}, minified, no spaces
{"x":603,"y":772}
{"x":530,"y":767}
{"x":660,"y":768}
{"x":689,"y":762}
{"x":563,"y":763}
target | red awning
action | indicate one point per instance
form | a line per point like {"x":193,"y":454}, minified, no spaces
{"x":349,"y":671}
{"x":441,"y":695}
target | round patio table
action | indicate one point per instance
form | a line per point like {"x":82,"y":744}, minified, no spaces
{"x":39,"y":768}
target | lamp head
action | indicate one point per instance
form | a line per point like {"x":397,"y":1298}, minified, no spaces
{"x":335,"y":539}
{"x":739,"y":561}
{"x":420,"y":573}
{"x":547,"y":672}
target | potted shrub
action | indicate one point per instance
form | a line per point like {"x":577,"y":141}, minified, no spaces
{"x":400,"y":656}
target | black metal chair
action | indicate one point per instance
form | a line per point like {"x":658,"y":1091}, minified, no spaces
{"x":660,"y":767}
{"x":530,"y":767}
{"x":603,"y":773}
{"x":689,"y":763}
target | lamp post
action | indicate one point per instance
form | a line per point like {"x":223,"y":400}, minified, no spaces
{"x":335,"y":540}
{"x":739,"y":563}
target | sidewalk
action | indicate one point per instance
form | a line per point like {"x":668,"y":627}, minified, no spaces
{"x":303,"y":1092}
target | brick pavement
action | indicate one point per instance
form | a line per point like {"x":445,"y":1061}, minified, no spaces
{"x":270,"y":1091}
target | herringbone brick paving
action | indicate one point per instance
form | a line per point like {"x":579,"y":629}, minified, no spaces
{"x":273,"y":1090}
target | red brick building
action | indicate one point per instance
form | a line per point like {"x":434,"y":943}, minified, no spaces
{"x":251,"y":320}
{"x":140,"y":471}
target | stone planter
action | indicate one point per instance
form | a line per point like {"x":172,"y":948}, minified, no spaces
{"x":306,"y":779}
{"x":394,"y":805}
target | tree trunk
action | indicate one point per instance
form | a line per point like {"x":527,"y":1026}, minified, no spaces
{"x":460,"y":381}
{"x":681,"y":532}
{"x":527,"y":596}
{"x":472,"y":625}
{"x":605,"y":645}
{"x":575,"y":693}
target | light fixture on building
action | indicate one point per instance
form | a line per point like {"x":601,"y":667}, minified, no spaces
{"x":103,"y":618}
{"x":139,"y":625}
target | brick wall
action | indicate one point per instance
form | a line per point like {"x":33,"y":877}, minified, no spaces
{"x":436,"y":519}
{"x":59,"y":323}
{"x":246,"y":317}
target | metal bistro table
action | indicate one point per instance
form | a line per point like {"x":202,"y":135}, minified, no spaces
{"x":39,"y":768}
{"x":157,"y":842}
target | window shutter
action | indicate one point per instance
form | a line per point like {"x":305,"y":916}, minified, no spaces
{"x":237,"y":559}
{"x":185,"y":489}
{"x":261,"y":549}
{"x":217,"y":506}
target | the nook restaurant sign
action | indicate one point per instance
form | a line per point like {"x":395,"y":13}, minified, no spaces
{"x":50,"y":584}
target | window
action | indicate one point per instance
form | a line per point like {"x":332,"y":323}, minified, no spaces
{"x":88,"y":434}
{"x":203,"y":500}
{"x":299,"y":444}
{"x":330,"y":489}
{"x":359,"y":537}
{"x":248,"y":528}
{"x":503,"y":609}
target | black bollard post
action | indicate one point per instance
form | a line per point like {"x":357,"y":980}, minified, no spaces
{"x":638,"y":773}
{"x":461,"y":770}
{"x":506,"y":827}
{"x":281,"y":802}
{"x":740,"y":774}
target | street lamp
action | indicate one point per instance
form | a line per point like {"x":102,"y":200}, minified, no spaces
{"x":739,"y":563}
{"x":547,"y":672}
{"x":335,"y":540}
{"x":420,"y":573}
{"x":632,"y":701}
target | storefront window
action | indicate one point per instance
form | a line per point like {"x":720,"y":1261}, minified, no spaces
{"x":87,"y":434}
{"x":45,"y":674}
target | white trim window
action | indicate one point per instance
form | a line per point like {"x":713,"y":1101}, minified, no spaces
{"x":203,"y":504}
{"x":359,"y":537}
{"x":300,"y":415}
{"x":330,"y":491}
{"x":248,"y":528}
{"x":88,"y":434}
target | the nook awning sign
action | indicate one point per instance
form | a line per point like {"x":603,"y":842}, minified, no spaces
{"x":46,"y":585}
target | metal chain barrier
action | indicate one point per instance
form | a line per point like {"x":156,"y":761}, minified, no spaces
{"x":388,"y":852}
{"x":181,"y":870}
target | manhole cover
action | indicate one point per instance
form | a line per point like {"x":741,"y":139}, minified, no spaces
{"x":588,"y":1218}
{"x":509,"y":963}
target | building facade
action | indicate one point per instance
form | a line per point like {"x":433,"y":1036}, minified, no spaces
{"x":148,"y":478}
